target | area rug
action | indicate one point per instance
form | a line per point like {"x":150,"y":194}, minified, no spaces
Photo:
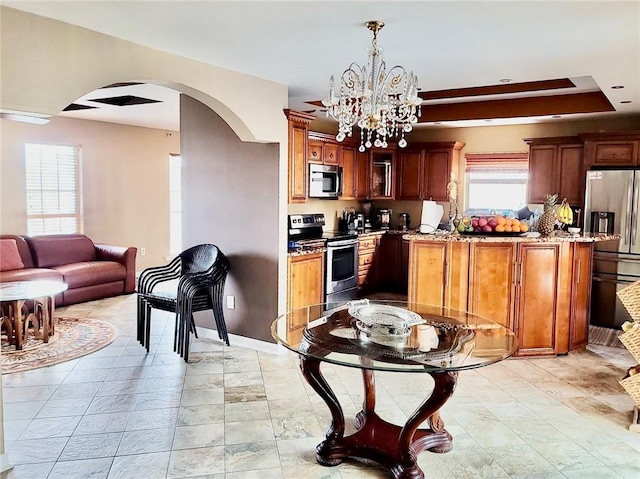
{"x":605,"y":336}
{"x":73,"y":338}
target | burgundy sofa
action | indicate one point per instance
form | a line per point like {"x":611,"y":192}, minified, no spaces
{"x":91,"y":271}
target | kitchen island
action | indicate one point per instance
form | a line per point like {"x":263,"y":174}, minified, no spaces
{"x":537,"y":287}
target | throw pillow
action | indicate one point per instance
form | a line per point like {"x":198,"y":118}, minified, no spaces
{"x":9,"y":255}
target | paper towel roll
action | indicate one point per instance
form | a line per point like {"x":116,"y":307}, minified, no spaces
{"x":427,"y":338}
{"x":431,"y":215}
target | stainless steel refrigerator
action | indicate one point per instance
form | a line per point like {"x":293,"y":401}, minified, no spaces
{"x":612,"y":203}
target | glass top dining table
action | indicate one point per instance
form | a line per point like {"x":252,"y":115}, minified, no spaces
{"x":393,"y":336}
{"x":434,"y":338}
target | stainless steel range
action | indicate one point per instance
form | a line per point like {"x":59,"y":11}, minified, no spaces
{"x":341,"y":260}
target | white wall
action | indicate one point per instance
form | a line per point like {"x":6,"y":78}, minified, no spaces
{"x":47,"y":64}
{"x":124,"y":175}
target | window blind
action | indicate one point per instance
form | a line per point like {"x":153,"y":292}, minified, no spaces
{"x":53,"y":189}
{"x":496,"y":161}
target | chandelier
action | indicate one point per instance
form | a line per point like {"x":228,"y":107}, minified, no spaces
{"x":382,"y":104}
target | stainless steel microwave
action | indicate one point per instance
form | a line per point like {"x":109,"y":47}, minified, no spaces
{"x":325,"y":181}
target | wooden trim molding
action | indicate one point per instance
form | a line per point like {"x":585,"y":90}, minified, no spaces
{"x":298,"y":116}
{"x":506,"y":88}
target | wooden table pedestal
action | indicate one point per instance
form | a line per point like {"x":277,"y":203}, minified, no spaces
{"x":393,"y":446}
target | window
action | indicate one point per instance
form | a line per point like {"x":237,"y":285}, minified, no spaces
{"x":54,"y":190}
{"x":175,"y":204}
{"x":496,"y":182}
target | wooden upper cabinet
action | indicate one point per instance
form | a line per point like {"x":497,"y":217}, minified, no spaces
{"x":556,"y":166}
{"x":542,"y":161}
{"x":324,"y":149}
{"x":618,"y":153}
{"x":363,"y":161}
{"x":425,"y":170}
{"x":297,"y":168}
{"x":349,"y":171}
{"x":315,"y":152}
{"x":410,"y":175}
{"x":438,"y":172}
{"x":331,"y":154}
{"x":571,"y":173}
{"x":612,"y":149}
{"x":381,"y":174}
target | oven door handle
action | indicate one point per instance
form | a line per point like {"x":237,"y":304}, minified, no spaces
{"x":336,"y":244}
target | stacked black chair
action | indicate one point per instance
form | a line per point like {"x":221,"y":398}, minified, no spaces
{"x":201,"y":271}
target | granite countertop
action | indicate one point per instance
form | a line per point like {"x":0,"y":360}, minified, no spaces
{"x":303,"y":252}
{"x":413,"y":235}
{"x":582,"y":238}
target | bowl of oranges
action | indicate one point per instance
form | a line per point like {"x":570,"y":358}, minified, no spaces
{"x":497,"y":225}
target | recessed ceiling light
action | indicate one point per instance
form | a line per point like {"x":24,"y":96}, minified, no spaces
{"x":626,"y":101}
{"x":488,"y":121}
{"x":437,"y":123}
{"x":505,"y":80}
{"x":617,"y":87}
{"x":556,"y":116}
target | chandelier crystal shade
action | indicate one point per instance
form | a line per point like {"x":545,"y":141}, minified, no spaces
{"x":383,"y":104}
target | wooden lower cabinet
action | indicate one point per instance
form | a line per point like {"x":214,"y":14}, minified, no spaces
{"x":539,"y":290}
{"x":438,"y":274}
{"x":388,"y":262}
{"x":305,"y":287}
{"x":368,"y":252}
{"x":537,"y":316}
{"x":580,"y":295}
{"x":491,"y":281}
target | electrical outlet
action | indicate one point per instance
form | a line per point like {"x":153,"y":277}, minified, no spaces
{"x":231,"y":302}
{"x":143,"y":251}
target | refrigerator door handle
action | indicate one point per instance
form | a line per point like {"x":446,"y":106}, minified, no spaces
{"x":627,"y":226}
{"x":634,"y":210}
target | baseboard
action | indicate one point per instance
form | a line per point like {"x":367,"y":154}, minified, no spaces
{"x":4,"y":462}
{"x":243,"y":341}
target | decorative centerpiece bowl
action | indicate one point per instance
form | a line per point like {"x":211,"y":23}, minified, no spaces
{"x":383,"y":324}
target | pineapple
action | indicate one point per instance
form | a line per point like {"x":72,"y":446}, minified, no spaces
{"x":548,"y":218}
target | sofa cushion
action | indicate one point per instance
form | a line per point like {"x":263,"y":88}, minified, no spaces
{"x":56,"y":250}
{"x":28,"y":274}
{"x":23,"y":248}
{"x":9,"y":255}
{"x":78,"y":275}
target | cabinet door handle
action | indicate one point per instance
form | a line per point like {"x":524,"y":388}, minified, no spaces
{"x":446,"y":272}
{"x":578,"y":272}
{"x":521,"y":269}
{"x":515,"y":273}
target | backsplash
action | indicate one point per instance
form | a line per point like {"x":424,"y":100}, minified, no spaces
{"x":332,"y":210}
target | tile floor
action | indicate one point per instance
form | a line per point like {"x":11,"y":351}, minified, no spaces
{"x":236,"y":413}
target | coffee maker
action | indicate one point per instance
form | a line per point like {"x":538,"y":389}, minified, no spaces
{"x":384,"y":218}
{"x":405,"y":221}
{"x":367,"y":212}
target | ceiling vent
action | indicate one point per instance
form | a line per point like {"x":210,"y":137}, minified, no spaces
{"x":124,"y":83}
{"x":126,"y":100}
{"x":76,"y":106}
